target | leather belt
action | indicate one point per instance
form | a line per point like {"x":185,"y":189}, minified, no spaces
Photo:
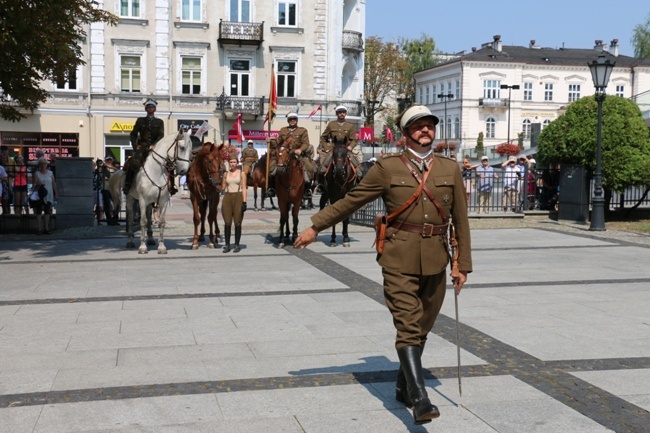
{"x":426,"y":230}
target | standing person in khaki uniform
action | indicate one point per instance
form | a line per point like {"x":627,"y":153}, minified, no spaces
{"x":249,"y":157}
{"x":234,"y":201}
{"x":339,"y":131}
{"x":297,"y":139}
{"x":415,"y":256}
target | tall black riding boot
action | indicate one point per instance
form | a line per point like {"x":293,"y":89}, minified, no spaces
{"x":423,"y":410}
{"x":237,"y":238}
{"x":226,"y":236}
{"x":401,"y":391}
{"x":270,"y":191}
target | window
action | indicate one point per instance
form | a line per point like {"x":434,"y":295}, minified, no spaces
{"x":526,"y":128}
{"x":286,"y":79}
{"x":528,"y":91}
{"x":240,"y":77}
{"x":457,"y":91}
{"x":240,"y":11}
{"x":574,"y":92}
{"x":620,"y":91}
{"x":491,"y":89}
{"x":130,"y":8}
{"x":191,"y":75}
{"x":548,"y":91}
{"x":69,"y":82}
{"x":435,"y":93}
{"x":490,"y":127}
{"x":448,"y":133}
{"x":456,"y":127}
{"x":545,"y":123}
{"x":191,"y":10}
{"x":130,"y":71}
{"x":287,"y":13}
{"x":426,"y":99}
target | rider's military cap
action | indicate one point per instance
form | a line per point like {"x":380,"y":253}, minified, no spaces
{"x":341,"y":108}
{"x":292,"y":116}
{"x":414,"y":113}
{"x":150,"y":102}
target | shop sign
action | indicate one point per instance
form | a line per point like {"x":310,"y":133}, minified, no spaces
{"x":118,"y":126}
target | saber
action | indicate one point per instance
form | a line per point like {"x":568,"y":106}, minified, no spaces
{"x":455,"y":273}
{"x":460,"y":389}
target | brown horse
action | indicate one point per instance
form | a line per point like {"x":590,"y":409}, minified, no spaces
{"x":290,"y":188}
{"x":204,"y":183}
{"x":340,"y":178}
{"x":257,"y":178}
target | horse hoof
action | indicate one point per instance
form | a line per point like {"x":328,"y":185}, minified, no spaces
{"x":211,"y":246}
{"x":162,"y":251}
{"x":346,"y":244}
{"x":281,"y":245}
{"x":332,"y":244}
{"x":195,"y":247}
{"x":143,"y":251}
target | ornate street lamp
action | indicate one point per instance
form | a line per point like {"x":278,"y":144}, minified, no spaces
{"x":601,"y":69}
{"x":444,"y":97}
{"x":510,"y":88}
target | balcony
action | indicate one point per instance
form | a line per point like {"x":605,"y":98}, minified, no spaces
{"x":354,"y":107}
{"x":241,"y":104}
{"x":241,"y":33}
{"x":352,"y":41}
{"x":493,"y":103}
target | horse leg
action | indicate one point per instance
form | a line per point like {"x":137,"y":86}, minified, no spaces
{"x":161,"y":226}
{"x":196,"y":219}
{"x":294,"y":235}
{"x":202,"y":209}
{"x":149,"y":214}
{"x":143,"y":228}
{"x":129,"y":222}
{"x":255,"y":198}
{"x":346,"y":238}
{"x":333,"y":238}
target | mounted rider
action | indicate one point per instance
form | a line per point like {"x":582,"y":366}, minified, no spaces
{"x":146,"y":133}
{"x":296,"y":138}
{"x":249,"y":157}
{"x":339,"y":131}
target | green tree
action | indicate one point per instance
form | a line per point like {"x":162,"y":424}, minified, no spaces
{"x":571,"y":138}
{"x":419,"y":55}
{"x":641,"y":39}
{"x":40,"y":40}
{"x":480,"y":149}
{"x":384,"y":64}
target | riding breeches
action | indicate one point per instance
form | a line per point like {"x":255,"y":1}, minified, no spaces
{"x":414,"y":301}
{"x":231,"y":208}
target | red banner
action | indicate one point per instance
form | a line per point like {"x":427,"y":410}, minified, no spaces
{"x":253,"y":134}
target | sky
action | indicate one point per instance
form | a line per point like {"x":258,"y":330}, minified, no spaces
{"x":458,"y":25}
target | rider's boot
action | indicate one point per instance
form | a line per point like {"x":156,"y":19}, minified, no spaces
{"x":226,"y":236}
{"x":270,"y":191}
{"x":423,"y":410}
{"x":237,"y":238}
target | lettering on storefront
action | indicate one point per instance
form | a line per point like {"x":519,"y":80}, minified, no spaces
{"x":118,"y":126}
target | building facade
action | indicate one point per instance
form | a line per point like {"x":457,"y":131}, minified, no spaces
{"x":466,"y":92}
{"x":201,"y":60}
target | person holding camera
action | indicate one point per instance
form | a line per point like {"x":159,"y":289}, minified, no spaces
{"x":234,"y":201}
{"x":44,"y":177}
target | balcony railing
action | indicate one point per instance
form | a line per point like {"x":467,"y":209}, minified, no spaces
{"x":352,"y":40}
{"x":241,"y":104}
{"x":492,"y":102}
{"x":241,"y":33}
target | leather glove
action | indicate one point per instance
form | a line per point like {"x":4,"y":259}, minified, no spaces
{"x":244,"y":206}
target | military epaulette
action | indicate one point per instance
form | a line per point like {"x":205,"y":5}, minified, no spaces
{"x":452,"y":158}
{"x":390,"y":155}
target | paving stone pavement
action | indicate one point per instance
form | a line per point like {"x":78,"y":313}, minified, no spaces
{"x":554,"y":323}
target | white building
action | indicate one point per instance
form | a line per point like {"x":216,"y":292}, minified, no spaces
{"x":201,"y":60}
{"x":549,"y":80}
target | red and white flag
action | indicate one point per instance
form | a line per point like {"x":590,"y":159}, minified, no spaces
{"x":389,"y":134}
{"x":273,"y":101}
{"x":205,"y":127}
{"x":239,"y":129}
{"x":316,"y":110}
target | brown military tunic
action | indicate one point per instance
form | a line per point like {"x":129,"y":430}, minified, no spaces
{"x":342,"y":133}
{"x":413,"y":265}
{"x":297,"y":138}
{"x":249,"y":157}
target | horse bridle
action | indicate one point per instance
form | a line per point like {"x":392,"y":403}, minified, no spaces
{"x":346,"y":162}
{"x":165,"y":162}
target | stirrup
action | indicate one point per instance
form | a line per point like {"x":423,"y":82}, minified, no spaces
{"x":270,"y":192}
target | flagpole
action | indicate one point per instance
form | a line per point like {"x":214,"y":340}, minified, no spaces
{"x":269,"y":115}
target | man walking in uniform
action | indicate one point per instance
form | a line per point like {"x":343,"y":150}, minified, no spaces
{"x":146,"y":133}
{"x":249,"y":157}
{"x":415,"y":253}
{"x":339,"y":131}
{"x":297,"y":139}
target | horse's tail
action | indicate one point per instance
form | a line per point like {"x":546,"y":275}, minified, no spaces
{"x":115,"y":185}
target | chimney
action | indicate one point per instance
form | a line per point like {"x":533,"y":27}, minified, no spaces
{"x":473,"y":49}
{"x":532,"y":45}
{"x":613,"y":47}
{"x":497,"y":43}
{"x":600,"y":45}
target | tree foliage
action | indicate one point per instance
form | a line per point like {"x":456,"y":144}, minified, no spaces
{"x":571,"y":139}
{"x":384,"y":66}
{"x":641,"y":39}
{"x":40,"y":40}
{"x":419,"y":55}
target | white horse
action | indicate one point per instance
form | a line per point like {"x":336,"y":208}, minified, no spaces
{"x":150,"y":185}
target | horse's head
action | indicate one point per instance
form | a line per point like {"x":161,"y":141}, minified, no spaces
{"x":212,"y":165}
{"x":340,"y":161}
{"x":283,"y":157}
{"x":181,"y":152}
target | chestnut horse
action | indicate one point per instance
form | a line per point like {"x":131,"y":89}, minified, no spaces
{"x":340,"y":178}
{"x":204,"y":183}
{"x":257,"y":178}
{"x":290,"y":188}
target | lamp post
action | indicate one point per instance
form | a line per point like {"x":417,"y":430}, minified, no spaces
{"x":444,"y":97}
{"x":601,"y":69}
{"x":510,"y":88}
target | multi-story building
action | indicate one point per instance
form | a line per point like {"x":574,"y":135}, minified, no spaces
{"x":504,"y":91}
{"x":201,"y":60}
